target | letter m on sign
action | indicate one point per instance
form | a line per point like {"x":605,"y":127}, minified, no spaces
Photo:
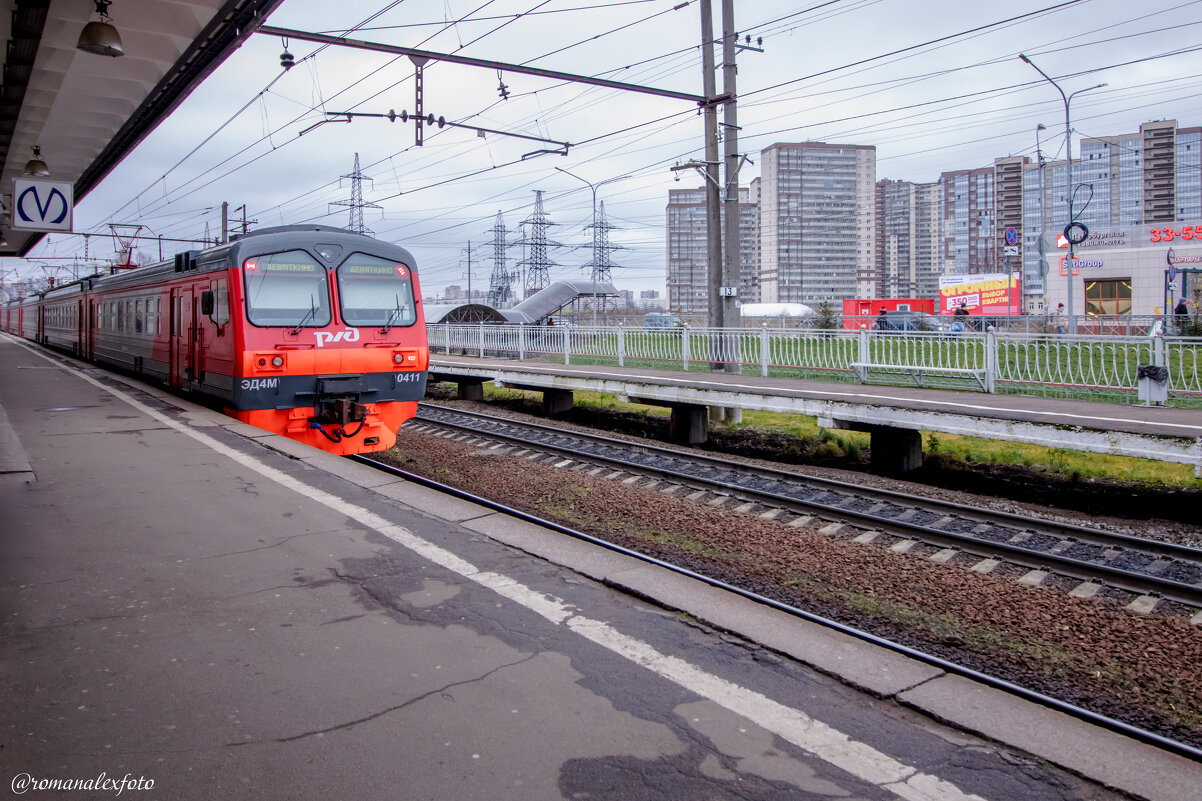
{"x":42,"y":205}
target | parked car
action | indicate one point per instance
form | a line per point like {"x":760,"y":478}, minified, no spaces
{"x":916,"y":321}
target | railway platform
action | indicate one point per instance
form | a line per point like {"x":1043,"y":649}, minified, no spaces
{"x":892,"y":415}
{"x":194,"y":608}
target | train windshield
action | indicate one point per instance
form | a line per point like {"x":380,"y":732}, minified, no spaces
{"x":375,"y":291}
{"x":287,"y":289}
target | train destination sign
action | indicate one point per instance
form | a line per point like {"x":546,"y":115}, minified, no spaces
{"x":281,"y":267}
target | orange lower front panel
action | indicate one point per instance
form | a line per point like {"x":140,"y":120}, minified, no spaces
{"x":377,"y":434}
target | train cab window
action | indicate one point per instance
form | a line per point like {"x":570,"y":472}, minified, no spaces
{"x":374,"y":291}
{"x":286,"y":289}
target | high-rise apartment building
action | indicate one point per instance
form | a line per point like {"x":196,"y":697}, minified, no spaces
{"x":817,"y":212}
{"x":816,"y":226}
{"x":1153,"y":175}
{"x":688,"y":272}
{"x":909,"y":227}
{"x":969,"y":222}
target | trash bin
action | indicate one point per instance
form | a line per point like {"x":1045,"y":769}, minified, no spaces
{"x":1153,"y":384}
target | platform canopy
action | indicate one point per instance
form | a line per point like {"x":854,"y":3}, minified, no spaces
{"x":86,"y":112}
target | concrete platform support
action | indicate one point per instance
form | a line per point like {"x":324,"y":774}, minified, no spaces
{"x":557,"y":401}
{"x":724,"y":415}
{"x":894,"y":450}
{"x":688,"y":424}
{"x":471,"y":390}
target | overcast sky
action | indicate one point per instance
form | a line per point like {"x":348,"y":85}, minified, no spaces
{"x":953,"y":95}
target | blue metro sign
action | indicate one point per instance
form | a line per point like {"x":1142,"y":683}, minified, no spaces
{"x":42,"y":205}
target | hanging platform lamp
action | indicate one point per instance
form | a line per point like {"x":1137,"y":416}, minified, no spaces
{"x":100,"y":37}
{"x":35,"y":166}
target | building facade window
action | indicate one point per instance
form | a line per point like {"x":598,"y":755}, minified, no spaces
{"x":1111,"y":296}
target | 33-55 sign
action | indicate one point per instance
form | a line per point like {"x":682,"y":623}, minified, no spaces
{"x":42,"y":205}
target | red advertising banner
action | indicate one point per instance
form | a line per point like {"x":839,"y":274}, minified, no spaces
{"x":992,"y":293}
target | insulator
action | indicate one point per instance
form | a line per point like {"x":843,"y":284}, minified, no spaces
{"x":442,"y":121}
{"x":287,"y":60}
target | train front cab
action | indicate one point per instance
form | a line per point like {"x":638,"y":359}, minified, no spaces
{"x":334,"y":345}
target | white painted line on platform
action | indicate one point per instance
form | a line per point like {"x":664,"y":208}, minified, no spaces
{"x":828,"y":744}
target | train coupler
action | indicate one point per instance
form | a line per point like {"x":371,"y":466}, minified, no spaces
{"x":339,"y":411}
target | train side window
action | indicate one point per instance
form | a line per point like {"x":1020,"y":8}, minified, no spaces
{"x":221,"y":312}
{"x":120,"y":314}
{"x":139,"y":316}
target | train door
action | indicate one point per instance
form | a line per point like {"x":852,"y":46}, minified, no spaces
{"x":95,"y":325}
{"x":196,"y":335}
{"x":183,"y":338}
{"x":81,"y":315}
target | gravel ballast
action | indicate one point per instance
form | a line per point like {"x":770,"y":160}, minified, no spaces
{"x":1138,"y":668}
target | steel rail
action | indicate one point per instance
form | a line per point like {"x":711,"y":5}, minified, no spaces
{"x":1084,"y":570}
{"x":1118,"y":726}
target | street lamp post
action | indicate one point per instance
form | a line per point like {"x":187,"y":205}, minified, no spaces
{"x":596,"y":239}
{"x":1043,"y":221}
{"x":1068,"y":163}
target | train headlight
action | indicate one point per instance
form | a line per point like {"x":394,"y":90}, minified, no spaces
{"x":270,"y":362}
{"x":398,"y":358}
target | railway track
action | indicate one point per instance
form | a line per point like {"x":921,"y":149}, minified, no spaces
{"x":1149,"y":568}
{"x":470,"y":434}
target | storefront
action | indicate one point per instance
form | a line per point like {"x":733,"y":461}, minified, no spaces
{"x":1140,"y":270}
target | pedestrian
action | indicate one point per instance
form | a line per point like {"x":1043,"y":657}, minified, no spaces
{"x":882,"y":321}
{"x":1182,"y":313}
{"x":1059,"y":318}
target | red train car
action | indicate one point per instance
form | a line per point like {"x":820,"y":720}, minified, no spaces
{"x":312,"y":332}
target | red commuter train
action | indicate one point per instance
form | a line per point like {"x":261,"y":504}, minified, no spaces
{"x":312,"y":332}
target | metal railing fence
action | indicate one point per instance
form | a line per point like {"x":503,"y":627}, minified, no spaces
{"x":1087,"y":365}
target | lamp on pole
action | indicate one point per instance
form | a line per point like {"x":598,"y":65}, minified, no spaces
{"x":1042,"y":245}
{"x":1068,"y":162}
{"x":596,"y":239}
